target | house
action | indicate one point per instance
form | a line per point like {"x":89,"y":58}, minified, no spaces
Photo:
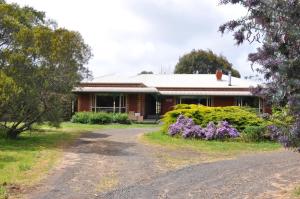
{"x":151,"y":95}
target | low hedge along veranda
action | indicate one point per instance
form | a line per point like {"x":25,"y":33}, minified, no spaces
{"x":100,"y":118}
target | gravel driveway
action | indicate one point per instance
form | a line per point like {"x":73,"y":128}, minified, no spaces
{"x":113,"y":164}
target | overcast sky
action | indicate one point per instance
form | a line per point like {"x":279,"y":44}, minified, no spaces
{"x":128,"y":36}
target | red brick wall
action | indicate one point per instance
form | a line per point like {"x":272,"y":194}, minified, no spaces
{"x":132,"y":102}
{"x":223,"y":101}
{"x":266,"y":108}
{"x":136,"y":103}
{"x":84,"y":102}
{"x":167,"y":104}
{"x":141,"y":104}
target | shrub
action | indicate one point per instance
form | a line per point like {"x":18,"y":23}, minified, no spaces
{"x":121,"y":118}
{"x":186,"y":127}
{"x":100,"y":118}
{"x":254,"y":134}
{"x":80,"y":117}
{"x":238,"y":117}
{"x":281,"y":117}
{"x":224,"y":130}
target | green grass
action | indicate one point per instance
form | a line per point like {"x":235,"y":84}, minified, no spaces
{"x":25,"y":161}
{"x":297,"y":192}
{"x":217,"y":147}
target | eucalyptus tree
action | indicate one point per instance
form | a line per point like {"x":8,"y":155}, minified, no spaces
{"x":42,"y":62}
{"x":204,"y":62}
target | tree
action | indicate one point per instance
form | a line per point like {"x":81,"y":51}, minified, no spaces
{"x":8,"y":90}
{"x":276,"y":25}
{"x":145,"y":72}
{"x":204,"y":62}
{"x":43,"y":62}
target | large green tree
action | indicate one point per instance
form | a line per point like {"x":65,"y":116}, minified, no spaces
{"x":43,"y":62}
{"x":275,"y":24}
{"x":204,"y":62}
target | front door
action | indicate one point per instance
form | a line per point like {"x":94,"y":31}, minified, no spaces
{"x":150,"y":106}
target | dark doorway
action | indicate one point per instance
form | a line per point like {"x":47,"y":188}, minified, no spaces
{"x":150,"y":106}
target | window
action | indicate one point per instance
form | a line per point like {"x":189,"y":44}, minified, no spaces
{"x":206,"y":101}
{"x":252,"y":102}
{"x":109,"y":103}
{"x":247,"y":101}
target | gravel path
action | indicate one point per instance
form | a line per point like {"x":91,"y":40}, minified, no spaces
{"x":114,"y":160}
{"x":259,"y":176}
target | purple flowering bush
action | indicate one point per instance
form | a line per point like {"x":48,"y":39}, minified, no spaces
{"x":224,"y":130}
{"x":187,"y":128}
{"x":284,"y":135}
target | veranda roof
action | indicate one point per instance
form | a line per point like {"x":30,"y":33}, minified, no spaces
{"x":116,"y":89}
{"x":206,"y":93}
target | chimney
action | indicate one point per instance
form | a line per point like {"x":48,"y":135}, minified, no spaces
{"x":219,"y":74}
{"x":229,"y":78}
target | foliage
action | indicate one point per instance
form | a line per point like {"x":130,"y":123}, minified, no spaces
{"x":100,"y":118}
{"x":8,"y":89}
{"x":204,"y":62}
{"x":188,"y":129}
{"x":202,"y":115}
{"x":275,"y":25}
{"x":121,"y":118}
{"x":281,"y":117}
{"x":42,"y":62}
{"x":254,"y":134}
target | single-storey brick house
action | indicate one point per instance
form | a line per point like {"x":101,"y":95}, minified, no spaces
{"x":150,"y":95}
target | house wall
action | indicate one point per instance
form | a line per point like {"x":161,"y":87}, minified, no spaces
{"x":84,"y":102}
{"x":141,"y":104}
{"x":132,"y":102}
{"x":266,"y":108}
{"x":136,"y":103}
{"x":167,"y":104}
{"x":223,"y":101}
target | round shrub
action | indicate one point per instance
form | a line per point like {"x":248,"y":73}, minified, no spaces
{"x":238,"y":117}
{"x":254,"y":134}
{"x":187,"y":128}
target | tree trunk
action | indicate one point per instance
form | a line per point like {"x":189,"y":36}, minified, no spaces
{"x":12,"y":134}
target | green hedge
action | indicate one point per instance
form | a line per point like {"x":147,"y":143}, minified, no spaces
{"x":254,"y":134}
{"x":100,"y":118}
{"x":239,"y":117}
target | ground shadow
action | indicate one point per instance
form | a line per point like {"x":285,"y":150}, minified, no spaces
{"x":94,"y":135}
{"x":104,"y":147}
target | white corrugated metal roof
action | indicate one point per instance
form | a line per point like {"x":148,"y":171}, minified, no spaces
{"x":178,"y":81}
{"x":207,"y":93}
{"x":116,"y":89}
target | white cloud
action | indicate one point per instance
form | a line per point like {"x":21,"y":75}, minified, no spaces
{"x":128,"y":36}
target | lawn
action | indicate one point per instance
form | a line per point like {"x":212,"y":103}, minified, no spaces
{"x":25,"y":161}
{"x":297,"y":192}
{"x":226,"y":148}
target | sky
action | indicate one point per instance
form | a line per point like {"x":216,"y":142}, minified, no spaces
{"x":129,"y":36}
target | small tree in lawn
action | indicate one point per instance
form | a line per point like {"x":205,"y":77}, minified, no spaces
{"x":276,"y":25}
{"x":41,"y":63}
